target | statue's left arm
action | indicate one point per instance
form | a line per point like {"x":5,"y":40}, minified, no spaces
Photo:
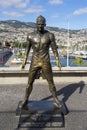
{"x":54,"y":49}
{"x":26,"y":53}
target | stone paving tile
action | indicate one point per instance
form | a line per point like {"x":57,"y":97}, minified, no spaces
{"x":74,"y":94}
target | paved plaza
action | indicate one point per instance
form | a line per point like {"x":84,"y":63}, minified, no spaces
{"x":73,"y":91}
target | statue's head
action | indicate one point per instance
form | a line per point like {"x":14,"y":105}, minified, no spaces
{"x":41,"y":19}
{"x":40,"y":23}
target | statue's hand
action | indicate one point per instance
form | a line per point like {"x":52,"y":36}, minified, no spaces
{"x":59,"y":64}
{"x":23,"y":64}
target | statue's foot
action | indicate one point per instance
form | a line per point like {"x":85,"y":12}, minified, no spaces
{"x":58,"y":105}
{"x":24,"y":105}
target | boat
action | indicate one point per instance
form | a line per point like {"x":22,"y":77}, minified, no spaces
{"x":16,"y":61}
{"x":82,"y":54}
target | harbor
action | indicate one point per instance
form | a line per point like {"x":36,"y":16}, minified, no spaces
{"x":10,"y":59}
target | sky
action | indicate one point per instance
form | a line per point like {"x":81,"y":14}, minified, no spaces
{"x":70,"y":14}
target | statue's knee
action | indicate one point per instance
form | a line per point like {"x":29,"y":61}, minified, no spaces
{"x":52,"y":88}
{"x":51,"y":84}
{"x":29,"y":85}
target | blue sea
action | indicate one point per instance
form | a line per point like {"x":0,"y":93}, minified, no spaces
{"x":63,"y":61}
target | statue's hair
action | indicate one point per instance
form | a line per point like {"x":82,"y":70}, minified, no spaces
{"x":41,"y":18}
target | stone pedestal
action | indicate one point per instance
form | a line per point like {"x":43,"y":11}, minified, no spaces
{"x":41,"y":114}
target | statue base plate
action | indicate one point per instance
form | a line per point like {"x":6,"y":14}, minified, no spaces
{"x":41,"y":114}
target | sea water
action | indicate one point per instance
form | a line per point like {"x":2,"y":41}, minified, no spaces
{"x":63,"y":61}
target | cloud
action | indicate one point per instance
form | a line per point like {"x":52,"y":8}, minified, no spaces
{"x":80,"y":11}
{"x":12,"y":14}
{"x":55,"y":16}
{"x":21,"y":5}
{"x":55,"y":1}
{"x":13,"y":3}
{"x":34,"y":9}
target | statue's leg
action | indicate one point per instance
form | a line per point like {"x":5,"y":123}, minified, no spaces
{"x":47,"y":70}
{"x":29,"y":88}
{"x":52,"y":89}
{"x":31,"y":77}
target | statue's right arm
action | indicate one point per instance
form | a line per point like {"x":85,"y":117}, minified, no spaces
{"x":26,"y":53}
{"x":54,"y":48}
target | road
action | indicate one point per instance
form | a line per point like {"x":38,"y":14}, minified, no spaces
{"x":73,"y":93}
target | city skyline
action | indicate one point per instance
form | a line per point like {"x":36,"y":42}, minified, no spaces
{"x":58,"y":13}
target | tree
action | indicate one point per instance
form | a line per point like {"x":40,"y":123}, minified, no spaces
{"x":7,"y":44}
{"x":24,"y":44}
{"x":79,"y":62}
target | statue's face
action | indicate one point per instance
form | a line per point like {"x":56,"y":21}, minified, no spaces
{"x":40,"y":25}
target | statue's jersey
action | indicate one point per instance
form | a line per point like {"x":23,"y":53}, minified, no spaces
{"x":40,"y":44}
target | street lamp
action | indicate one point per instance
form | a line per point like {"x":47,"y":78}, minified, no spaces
{"x":68,"y":44}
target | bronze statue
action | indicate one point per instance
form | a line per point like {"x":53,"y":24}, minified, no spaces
{"x":40,"y":41}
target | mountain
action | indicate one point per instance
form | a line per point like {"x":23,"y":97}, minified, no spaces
{"x":18,"y":24}
{"x":14,"y":23}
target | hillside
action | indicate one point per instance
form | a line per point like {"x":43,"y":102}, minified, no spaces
{"x":18,"y":24}
{"x":15,"y":25}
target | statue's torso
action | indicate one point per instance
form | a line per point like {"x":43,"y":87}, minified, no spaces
{"x":40,"y":45}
